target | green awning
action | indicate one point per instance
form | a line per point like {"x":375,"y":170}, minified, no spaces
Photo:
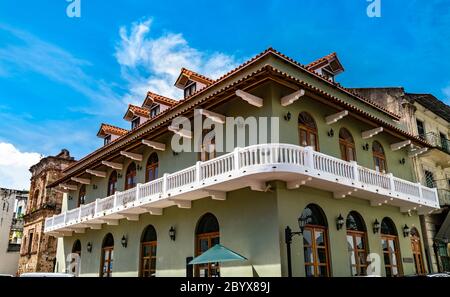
{"x":217,"y":253}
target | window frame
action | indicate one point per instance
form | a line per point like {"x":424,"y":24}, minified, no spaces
{"x":152,"y":166}
{"x":344,"y":145}
{"x":81,"y":198}
{"x":302,"y":127}
{"x":315,"y":249}
{"x":135,"y":122}
{"x":380,"y":157}
{"x":113,"y":191}
{"x":354,"y":234}
{"x":131,"y":174}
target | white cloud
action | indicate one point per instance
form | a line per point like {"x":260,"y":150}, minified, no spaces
{"x":154,"y":62}
{"x":14,"y":167}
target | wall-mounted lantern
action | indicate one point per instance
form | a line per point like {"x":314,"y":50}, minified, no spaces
{"x":172,"y":233}
{"x":406,"y":231}
{"x":330,"y":132}
{"x":339,"y":222}
{"x":288,"y":116}
{"x":124,"y":241}
{"x":89,"y":247}
{"x":376,"y":226}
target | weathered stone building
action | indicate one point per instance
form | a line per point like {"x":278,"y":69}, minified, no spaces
{"x":427,"y":117}
{"x":37,"y":252}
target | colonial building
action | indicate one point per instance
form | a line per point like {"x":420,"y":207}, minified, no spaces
{"x":275,"y":144}
{"x":428,"y":118}
{"x":38,"y":250}
{"x":12,"y":203}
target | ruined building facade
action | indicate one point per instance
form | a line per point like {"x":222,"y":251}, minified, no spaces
{"x":37,"y":251}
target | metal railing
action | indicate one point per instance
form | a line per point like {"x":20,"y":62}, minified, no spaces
{"x":251,"y":160}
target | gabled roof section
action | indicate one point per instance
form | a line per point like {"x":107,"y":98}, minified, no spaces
{"x":155,"y":98}
{"x":136,"y":111}
{"x":432,"y":103}
{"x":106,"y":129}
{"x":187,"y":75}
{"x":330,"y":62}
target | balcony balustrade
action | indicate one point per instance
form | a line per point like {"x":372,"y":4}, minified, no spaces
{"x":250,"y":166}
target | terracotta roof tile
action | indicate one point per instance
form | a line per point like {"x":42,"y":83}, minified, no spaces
{"x":195,"y":76}
{"x":153,"y":97}
{"x":134,"y":110}
{"x":317,"y":63}
{"x":110,"y":129}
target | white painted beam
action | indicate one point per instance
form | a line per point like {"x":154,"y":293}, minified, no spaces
{"x":341,"y":195}
{"x":84,"y":181}
{"x":215,"y":117}
{"x":371,"y":133}
{"x":69,"y":187}
{"x":258,"y":186}
{"x":62,"y":191}
{"x":218,"y":195}
{"x":113,"y":165}
{"x":333,"y":118}
{"x":155,"y":145}
{"x":96,"y":172}
{"x":132,"y":156}
{"x":399,"y":145}
{"x":182,"y":132}
{"x":182,"y":203}
{"x":80,"y":231}
{"x":291,"y":98}
{"x":417,"y":152}
{"x":251,"y":99}
{"x":95,"y":226}
{"x":111,"y":222}
{"x":154,"y":211}
{"x":132,"y":217}
{"x":297,"y":183}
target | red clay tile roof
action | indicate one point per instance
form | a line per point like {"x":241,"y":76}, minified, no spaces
{"x":153,"y":97}
{"x":134,"y":110}
{"x":106,"y":129}
{"x":321,"y":61}
{"x":270,"y":50}
{"x":192,"y":75}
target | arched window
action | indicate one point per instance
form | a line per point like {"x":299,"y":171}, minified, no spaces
{"x":112,"y":183}
{"x":148,"y":252}
{"x":34,"y":203}
{"x":356,"y":243}
{"x":81,"y":195}
{"x":391,"y":251}
{"x":107,"y":256}
{"x":207,"y":235}
{"x":130,"y":180}
{"x":152,"y":168}
{"x":378,"y":157}
{"x":315,"y":241}
{"x":76,"y":250}
{"x":347,"y":145}
{"x":417,"y":251}
{"x":307,"y":130}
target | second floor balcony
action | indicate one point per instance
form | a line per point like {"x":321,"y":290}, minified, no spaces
{"x":252,"y":167}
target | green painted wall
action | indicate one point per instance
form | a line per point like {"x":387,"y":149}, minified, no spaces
{"x":248,"y":225}
{"x":291,"y":204}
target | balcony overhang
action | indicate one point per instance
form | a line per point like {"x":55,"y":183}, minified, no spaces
{"x":252,"y":167}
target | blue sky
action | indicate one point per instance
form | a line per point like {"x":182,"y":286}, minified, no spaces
{"x":61,"y":77}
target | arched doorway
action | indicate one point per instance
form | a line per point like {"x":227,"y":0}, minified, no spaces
{"x":379,"y":157}
{"x":106,"y":267}
{"x":82,"y":195}
{"x":148,"y":252}
{"x":152,"y":168}
{"x":76,"y":257}
{"x":391,"y":249}
{"x":112,"y":183}
{"x":417,"y":251}
{"x":307,"y":130}
{"x":207,"y":235}
{"x":130,"y":178}
{"x":356,"y":243}
{"x":347,"y":145}
{"x":315,"y":241}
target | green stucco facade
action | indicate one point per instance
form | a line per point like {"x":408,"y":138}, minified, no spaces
{"x":252,"y":223}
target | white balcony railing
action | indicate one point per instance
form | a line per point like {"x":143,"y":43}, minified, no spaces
{"x":294,"y":162}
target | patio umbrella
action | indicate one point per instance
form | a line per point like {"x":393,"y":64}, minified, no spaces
{"x":217,"y":253}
